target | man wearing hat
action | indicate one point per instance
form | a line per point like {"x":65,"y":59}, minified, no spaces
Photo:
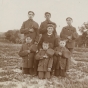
{"x":43,"y":26}
{"x":69,"y":33}
{"x":30,"y":27}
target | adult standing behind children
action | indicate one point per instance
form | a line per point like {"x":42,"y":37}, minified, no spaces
{"x":30,"y":27}
{"x":43,"y":26}
{"x":70,"y":34}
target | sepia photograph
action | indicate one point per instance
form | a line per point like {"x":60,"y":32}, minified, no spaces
{"x":43,"y":43}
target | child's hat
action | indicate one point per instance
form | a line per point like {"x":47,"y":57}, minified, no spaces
{"x":50,"y":52}
{"x":50,"y":25}
{"x":67,"y":54}
{"x":62,"y":39}
{"x":34,"y":48}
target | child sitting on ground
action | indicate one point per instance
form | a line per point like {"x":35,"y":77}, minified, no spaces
{"x":45,"y":61}
{"x":62,"y":55}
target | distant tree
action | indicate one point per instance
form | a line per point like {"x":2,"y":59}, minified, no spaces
{"x":13,"y":36}
{"x":8,"y":34}
{"x":84,"y":37}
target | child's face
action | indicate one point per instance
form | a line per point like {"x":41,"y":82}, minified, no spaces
{"x":28,"y":40}
{"x":62,"y":43}
{"x":45,"y":46}
{"x":50,"y":30}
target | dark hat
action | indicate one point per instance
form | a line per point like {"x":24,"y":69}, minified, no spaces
{"x":50,"y":52}
{"x":62,"y":39}
{"x":69,"y":18}
{"x":28,"y":36}
{"x":75,"y":35}
{"x":50,"y":25}
{"x":47,"y":13}
{"x":31,"y":12}
{"x":46,"y":42}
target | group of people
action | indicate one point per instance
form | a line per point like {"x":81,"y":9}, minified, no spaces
{"x":43,"y":53}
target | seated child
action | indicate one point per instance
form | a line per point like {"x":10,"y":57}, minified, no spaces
{"x":27,"y":53}
{"x":62,"y":55}
{"x":45,"y":61}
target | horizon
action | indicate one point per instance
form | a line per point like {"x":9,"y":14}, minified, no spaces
{"x":14,"y":12}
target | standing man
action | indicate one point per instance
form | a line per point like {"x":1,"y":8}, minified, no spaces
{"x":30,"y":27}
{"x":43,"y":26}
{"x":69,"y":33}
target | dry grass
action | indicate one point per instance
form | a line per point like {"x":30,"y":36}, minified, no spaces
{"x":11,"y":76}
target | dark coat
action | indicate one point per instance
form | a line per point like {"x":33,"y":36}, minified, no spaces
{"x":53,"y":41}
{"x":43,"y":27}
{"x":69,"y":31}
{"x":44,"y":63}
{"x":27,"y":58}
{"x":62,"y":60}
{"x":28,"y":25}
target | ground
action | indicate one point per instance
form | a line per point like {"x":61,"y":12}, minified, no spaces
{"x":12,"y":77}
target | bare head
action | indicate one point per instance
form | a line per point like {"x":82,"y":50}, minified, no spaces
{"x":62,"y":43}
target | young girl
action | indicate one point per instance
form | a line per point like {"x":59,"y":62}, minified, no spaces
{"x":62,"y":55}
{"x":45,"y":61}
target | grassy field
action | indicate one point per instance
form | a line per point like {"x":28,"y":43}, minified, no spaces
{"x":12,"y":77}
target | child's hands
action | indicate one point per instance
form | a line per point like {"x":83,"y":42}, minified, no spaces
{"x":45,"y":56}
{"x":60,"y":53}
{"x":49,"y":69}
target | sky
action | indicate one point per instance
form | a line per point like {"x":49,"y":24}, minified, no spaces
{"x":14,"y":12}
